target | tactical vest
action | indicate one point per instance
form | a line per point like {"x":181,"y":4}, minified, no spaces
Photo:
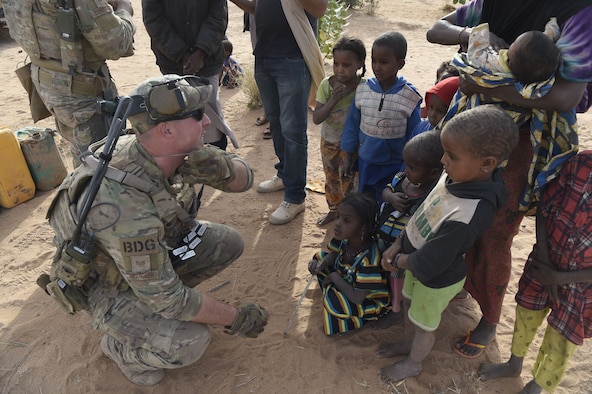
{"x":50,"y":35}
{"x":128,"y":168}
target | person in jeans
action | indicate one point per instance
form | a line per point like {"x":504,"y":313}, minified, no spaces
{"x":285,"y":54}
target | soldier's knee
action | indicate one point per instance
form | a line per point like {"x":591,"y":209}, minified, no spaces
{"x":190,"y":342}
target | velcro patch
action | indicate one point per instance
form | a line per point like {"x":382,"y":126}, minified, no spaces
{"x":139,"y":245}
{"x":138,"y":254}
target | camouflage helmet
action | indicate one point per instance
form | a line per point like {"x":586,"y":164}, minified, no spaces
{"x":168,"y":97}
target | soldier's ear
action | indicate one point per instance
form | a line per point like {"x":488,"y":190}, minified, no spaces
{"x":163,"y":130}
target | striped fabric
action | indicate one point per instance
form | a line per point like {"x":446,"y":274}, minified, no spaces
{"x":552,"y":134}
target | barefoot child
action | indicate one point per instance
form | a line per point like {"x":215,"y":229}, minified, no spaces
{"x":557,"y":278}
{"x":382,"y":117}
{"x":456,"y":212}
{"x":334,"y":98}
{"x":355,"y":288}
{"x":403,"y":195}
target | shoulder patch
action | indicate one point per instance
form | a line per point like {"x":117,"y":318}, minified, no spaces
{"x":139,"y":246}
{"x":140,"y":257}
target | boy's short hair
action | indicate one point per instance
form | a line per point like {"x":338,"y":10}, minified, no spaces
{"x":426,"y":148}
{"x":228,"y":47}
{"x":536,"y":59}
{"x":395,"y":41}
{"x":489,"y":131}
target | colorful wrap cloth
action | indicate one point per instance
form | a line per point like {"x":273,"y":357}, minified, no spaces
{"x":552,"y":134}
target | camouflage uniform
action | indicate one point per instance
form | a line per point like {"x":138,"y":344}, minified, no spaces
{"x":144,"y":298}
{"x":71,"y":94}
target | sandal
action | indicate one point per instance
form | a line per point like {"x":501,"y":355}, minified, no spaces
{"x":466,"y":341}
{"x":261,"y":120}
{"x":267,"y":134}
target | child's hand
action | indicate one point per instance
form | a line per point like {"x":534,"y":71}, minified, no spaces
{"x":314,"y":266}
{"x":400,"y":201}
{"x":345,"y":171}
{"x":389,"y":256}
{"x":339,"y":91}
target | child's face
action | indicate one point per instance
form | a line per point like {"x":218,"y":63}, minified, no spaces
{"x":460,"y":164}
{"x":385,"y":65}
{"x":436,"y":110}
{"x":348,"y":224}
{"x":417,"y":172}
{"x":345,"y":65}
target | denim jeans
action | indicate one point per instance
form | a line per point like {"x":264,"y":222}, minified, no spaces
{"x":284,"y":84}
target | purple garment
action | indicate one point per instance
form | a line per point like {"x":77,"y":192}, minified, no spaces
{"x":575,"y":43}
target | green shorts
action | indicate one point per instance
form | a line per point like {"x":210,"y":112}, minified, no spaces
{"x":427,"y":304}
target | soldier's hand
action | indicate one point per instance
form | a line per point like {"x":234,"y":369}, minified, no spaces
{"x":209,"y":165}
{"x":125,"y":5}
{"x":250,"y":321}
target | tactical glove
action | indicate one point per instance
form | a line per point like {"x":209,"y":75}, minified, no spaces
{"x":210,"y":165}
{"x":250,"y":321}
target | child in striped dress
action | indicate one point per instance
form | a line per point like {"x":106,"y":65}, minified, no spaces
{"x":355,"y":288}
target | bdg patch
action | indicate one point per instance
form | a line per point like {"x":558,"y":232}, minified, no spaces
{"x":137,"y":257}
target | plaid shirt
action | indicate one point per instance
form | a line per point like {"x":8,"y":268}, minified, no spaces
{"x":567,"y":205}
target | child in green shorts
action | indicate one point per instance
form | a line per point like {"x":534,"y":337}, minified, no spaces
{"x":452,"y":217}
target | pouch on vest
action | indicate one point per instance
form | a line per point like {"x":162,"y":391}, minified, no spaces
{"x":70,"y":39}
{"x":71,"y":299}
{"x":73,"y":264}
{"x":38,"y":109}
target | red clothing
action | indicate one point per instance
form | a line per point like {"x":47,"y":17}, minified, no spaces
{"x":567,"y":205}
{"x":489,"y":261}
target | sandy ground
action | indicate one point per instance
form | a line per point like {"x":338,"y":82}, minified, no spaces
{"x":42,"y":350}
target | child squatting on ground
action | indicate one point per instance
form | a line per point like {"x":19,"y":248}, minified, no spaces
{"x":334,"y":98}
{"x":457,"y":212}
{"x":232,"y":72}
{"x":383,"y":115}
{"x":355,"y":288}
{"x":404,"y":194}
{"x":556,"y":282}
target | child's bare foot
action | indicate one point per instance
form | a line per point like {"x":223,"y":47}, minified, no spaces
{"x":531,"y":388}
{"x":501,"y":370}
{"x":328,"y":218}
{"x":386,"y":321}
{"x":401,"y":370}
{"x":392,"y":349}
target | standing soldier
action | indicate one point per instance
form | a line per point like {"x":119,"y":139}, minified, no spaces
{"x":68,"y":42}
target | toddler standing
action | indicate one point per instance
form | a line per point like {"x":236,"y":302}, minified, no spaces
{"x":334,"y":98}
{"x":403,"y":195}
{"x":452,"y":217}
{"x":383,"y":115}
